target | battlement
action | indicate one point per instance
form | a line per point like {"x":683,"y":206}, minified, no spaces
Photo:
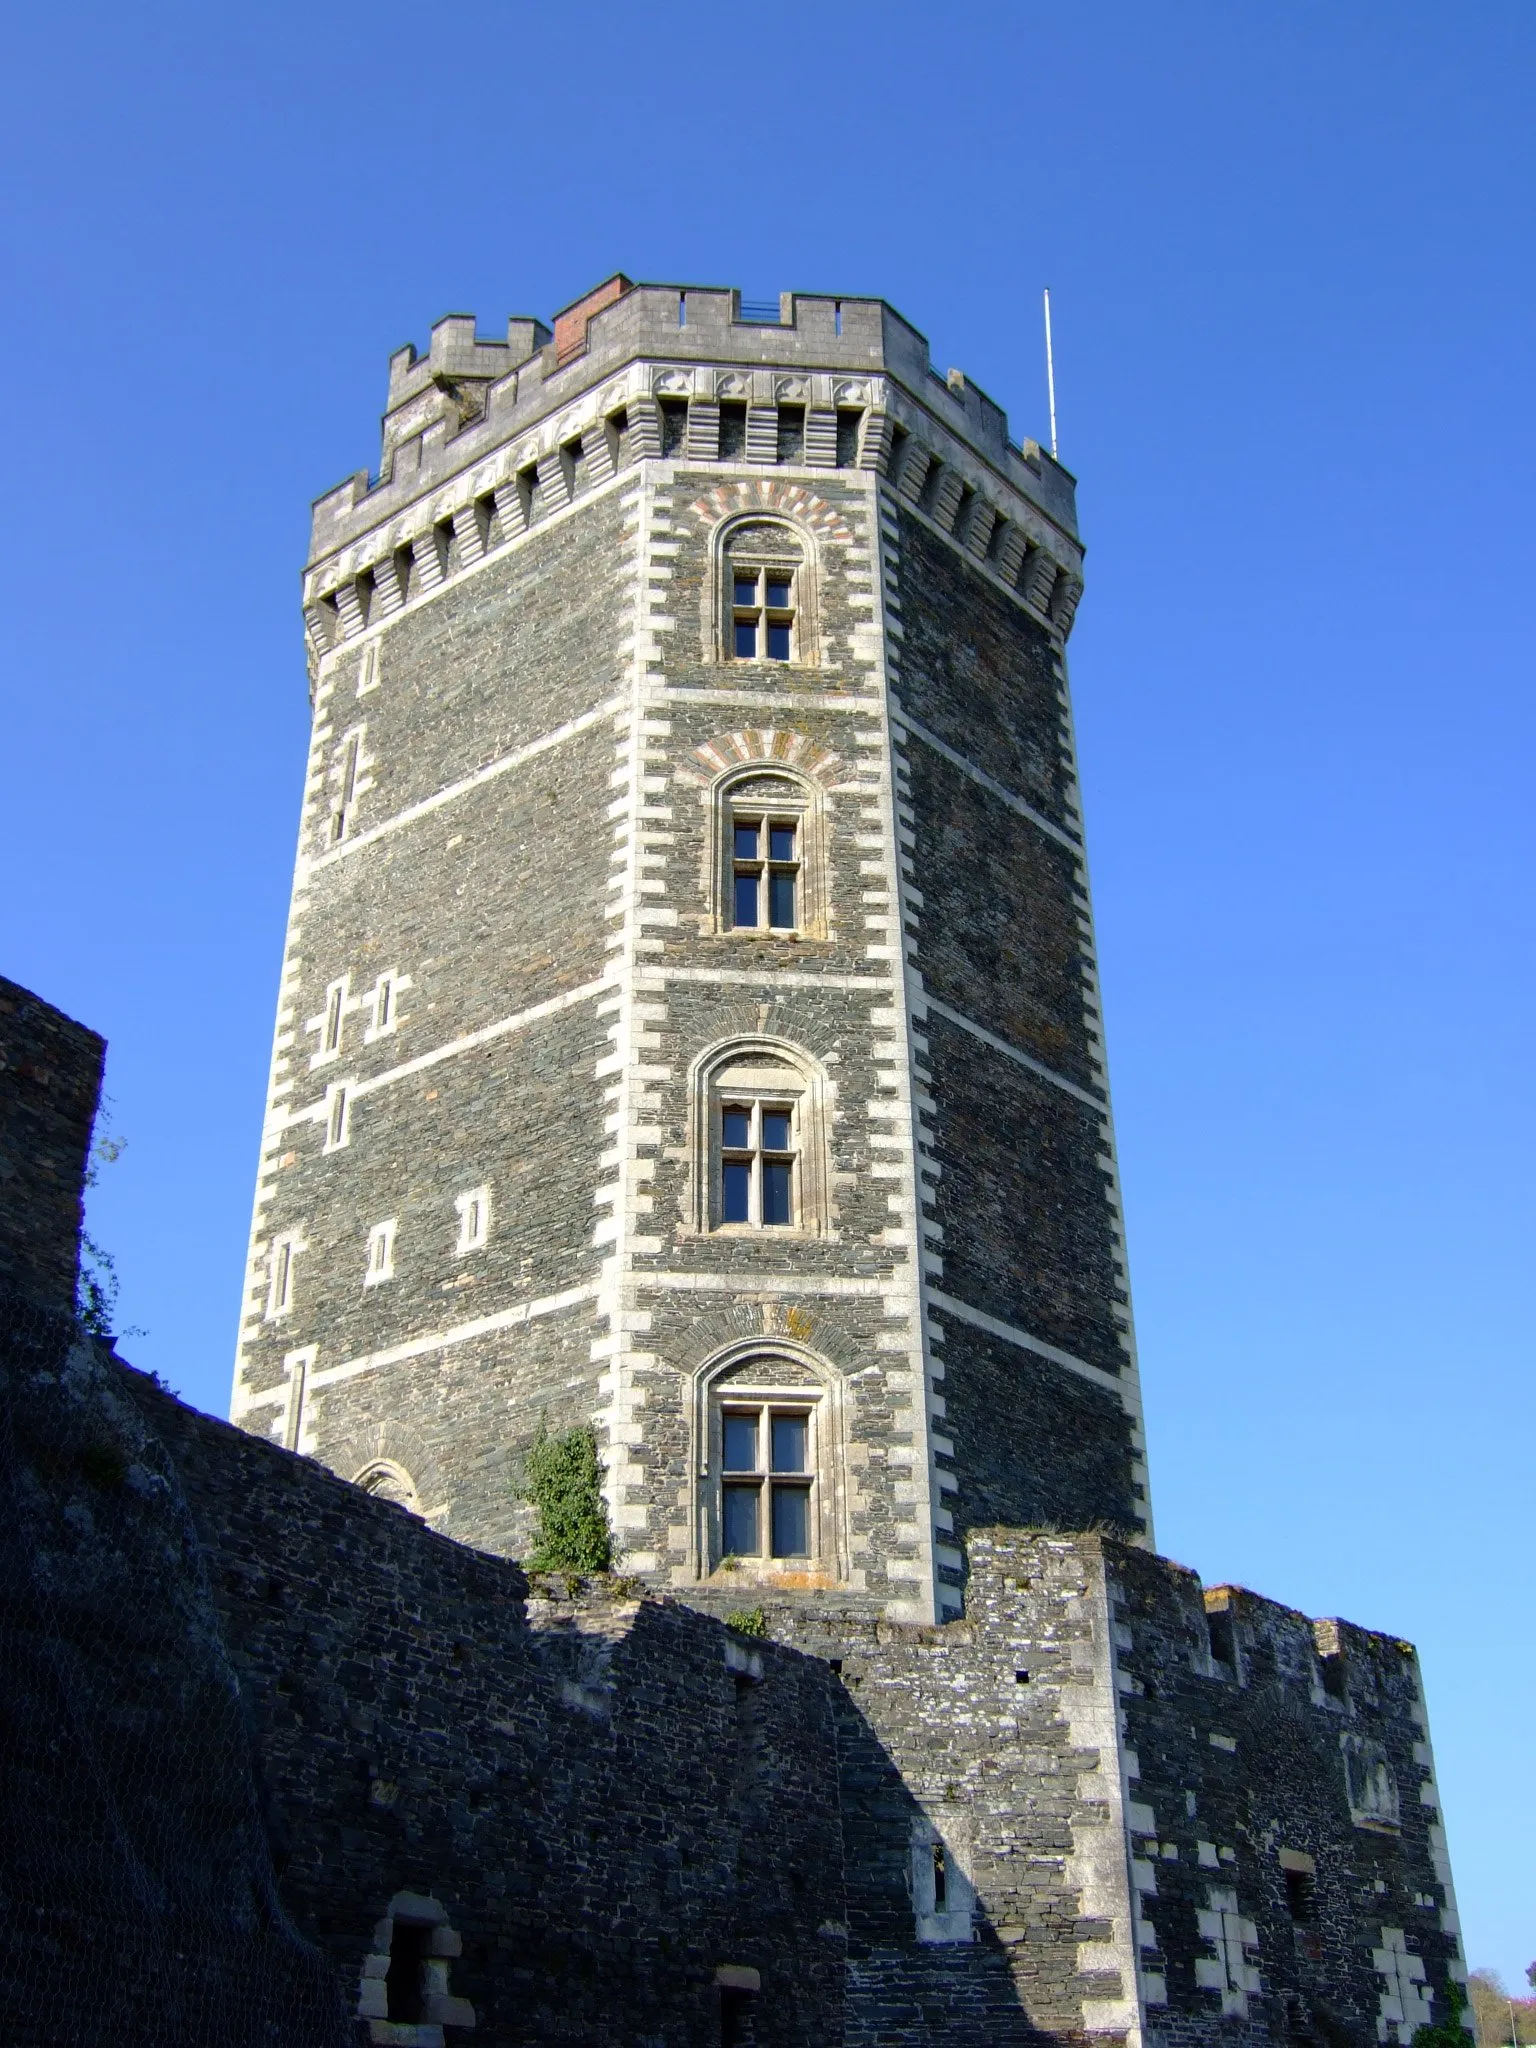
{"x":469,"y":394}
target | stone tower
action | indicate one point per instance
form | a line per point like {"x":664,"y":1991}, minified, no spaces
{"x":689,"y":1018}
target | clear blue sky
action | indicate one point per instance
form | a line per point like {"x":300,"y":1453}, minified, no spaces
{"x":1291,"y":254}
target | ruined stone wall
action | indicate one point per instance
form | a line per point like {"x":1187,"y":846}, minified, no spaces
{"x":1289,"y":1853}
{"x":50,"y":1074}
{"x":611,"y":1798}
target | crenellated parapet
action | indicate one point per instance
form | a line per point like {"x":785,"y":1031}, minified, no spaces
{"x":485,"y":439}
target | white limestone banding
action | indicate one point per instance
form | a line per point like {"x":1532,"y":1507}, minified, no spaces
{"x":468,"y":1042}
{"x":1123,"y":1387}
{"x":460,"y":1333}
{"x":1094,"y":1100}
{"x":454,"y":790}
{"x":907,"y":723}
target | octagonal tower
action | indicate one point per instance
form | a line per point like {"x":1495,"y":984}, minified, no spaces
{"x":689,"y":1019}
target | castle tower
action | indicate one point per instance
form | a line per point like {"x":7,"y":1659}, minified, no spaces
{"x":689,"y":1019}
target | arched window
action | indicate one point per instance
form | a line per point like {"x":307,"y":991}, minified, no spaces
{"x":765,"y":608}
{"x":386,"y":1480}
{"x":760,"y":1153}
{"x":405,"y":1995}
{"x":768,"y":853}
{"x":769,"y":1423}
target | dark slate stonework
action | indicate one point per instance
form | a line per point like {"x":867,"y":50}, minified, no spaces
{"x":1077,"y":1437}
{"x":295,"y":1704}
{"x":50,"y":1073}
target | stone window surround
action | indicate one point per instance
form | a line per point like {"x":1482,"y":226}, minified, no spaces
{"x":771,"y":1068}
{"x":388,"y":1480}
{"x":804,"y":1380}
{"x":805,"y":801}
{"x":474,"y":1212}
{"x":801,"y":558}
{"x":379,"y":1260}
{"x":294,"y":1415}
{"x":440,"y":2008}
{"x":955,"y":1922}
{"x":281,"y":1257}
{"x":383,"y":1004}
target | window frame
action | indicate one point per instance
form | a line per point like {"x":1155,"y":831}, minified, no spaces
{"x":757,"y":1155}
{"x":763,"y":1479}
{"x":771,"y":1373}
{"x":765,"y":817}
{"x":759,"y":615}
{"x":768,"y":790}
{"x":769,"y":1072}
{"x":793,"y":560}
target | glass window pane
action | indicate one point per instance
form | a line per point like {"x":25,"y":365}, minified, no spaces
{"x":775,"y":1130}
{"x":736,"y":1192}
{"x":746,"y":590}
{"x":790,"y":1434}
{"x":745,"y":911}
{"x":738,"y":1521}
{"x":778,"y":596}
{"x":778,"y":641}
{"x":746,"y":640}
{"x":781,"y":842}
{"x":776,"y":1193}
{"x":740,"y":1434}
{"x":736,"y":1129}
{"x":747,"y":840}
{"x":781,"y":899}
{"x":791,"y":1521}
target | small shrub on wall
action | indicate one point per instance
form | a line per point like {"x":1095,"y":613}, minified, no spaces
{"x":562,"y":1482}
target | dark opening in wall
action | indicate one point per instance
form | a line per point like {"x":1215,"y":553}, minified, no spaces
{"x":404,"y":1985}
{"x":738,"y":2017}
{"x":733,"y":429}
{"x":674,"y":424}
{"x":791,"y":432}
{"x":1299,"y":1889}
{"x":1218,"y":1624}
{"x":848,"y":436}
{"x":1334,"y":1676}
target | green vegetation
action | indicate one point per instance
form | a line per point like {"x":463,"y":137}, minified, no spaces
{"x":1449,"y":2033}
{"x":562,"y":1482}
{"x":748,"y":1621}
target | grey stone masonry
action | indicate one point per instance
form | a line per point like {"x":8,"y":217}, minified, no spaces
{"x":520,"y":991}
{"x":287,"y":1766}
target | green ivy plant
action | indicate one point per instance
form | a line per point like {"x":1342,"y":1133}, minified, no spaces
{"x":1449,"y":2033}
{"x":748,"y":1621}
{"x":562,"y":1483}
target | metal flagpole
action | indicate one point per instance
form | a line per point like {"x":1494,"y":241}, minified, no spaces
{"x":1050,"y":370}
